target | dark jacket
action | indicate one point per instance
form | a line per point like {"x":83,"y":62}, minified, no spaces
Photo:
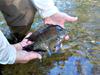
{"x":17,"y":12}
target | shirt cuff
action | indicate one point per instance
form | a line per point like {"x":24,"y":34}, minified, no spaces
{"x":49,"y":12}
{"x":46,"y":8}
{"x":7,"y":51}
{"x":12,"y":54}
{"x":10,"y":57}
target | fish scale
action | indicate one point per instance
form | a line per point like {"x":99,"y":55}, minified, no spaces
{"x":45,"y":39}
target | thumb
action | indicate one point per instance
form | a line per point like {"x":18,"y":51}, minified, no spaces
{"x":28,"y":34}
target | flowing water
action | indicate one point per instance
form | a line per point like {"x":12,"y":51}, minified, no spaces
{"x":81,"y":54}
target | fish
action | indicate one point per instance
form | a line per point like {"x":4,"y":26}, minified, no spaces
{"x":47,"y":39}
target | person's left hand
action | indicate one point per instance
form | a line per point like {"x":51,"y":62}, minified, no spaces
{"x":59,"y":19}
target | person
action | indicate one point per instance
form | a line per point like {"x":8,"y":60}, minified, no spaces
{"x":10,"y":54}
{"x":19,"y":15}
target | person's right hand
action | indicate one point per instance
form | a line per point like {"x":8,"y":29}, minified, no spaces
{"x":24,"y":56}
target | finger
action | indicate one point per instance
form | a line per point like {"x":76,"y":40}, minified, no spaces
{"x":33,"y":55}
{"x":23,"y":44}
{"x":24,"y":56}
{"x":71,"y":19}
{"x":29,"y":42}
{"x":25,"y":40}
{"x":28,"y":34}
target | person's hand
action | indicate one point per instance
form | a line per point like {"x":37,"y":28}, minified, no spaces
{"x":23,"y":56}
{"x":23,"y":43}
{"x":59,"y":19}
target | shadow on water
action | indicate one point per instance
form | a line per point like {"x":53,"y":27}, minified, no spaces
{"x":81,"y":53}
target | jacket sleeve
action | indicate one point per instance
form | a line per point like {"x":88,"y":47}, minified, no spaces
{"x":45,"y":8}
{"x":7,"y":51}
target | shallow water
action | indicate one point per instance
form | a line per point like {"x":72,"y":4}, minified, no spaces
{"x":81,"y":53}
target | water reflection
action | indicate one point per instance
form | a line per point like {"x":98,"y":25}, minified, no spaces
{"x":73,"y":66}
{"x":86,"y":30}
{"x":65,"y":4}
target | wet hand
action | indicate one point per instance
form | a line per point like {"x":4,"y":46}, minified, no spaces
{"x":59,"y":19}
{"x":24,"y":56}
{"x":23,"y":43}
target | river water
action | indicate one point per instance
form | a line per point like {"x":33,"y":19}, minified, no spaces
{"x":81,"y":53}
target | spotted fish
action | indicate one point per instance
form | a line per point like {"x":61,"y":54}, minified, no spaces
{"x":47,"y":39}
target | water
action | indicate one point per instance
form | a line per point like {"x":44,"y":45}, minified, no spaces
{"x":73,"y":66}
{"x":83,"y":56}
